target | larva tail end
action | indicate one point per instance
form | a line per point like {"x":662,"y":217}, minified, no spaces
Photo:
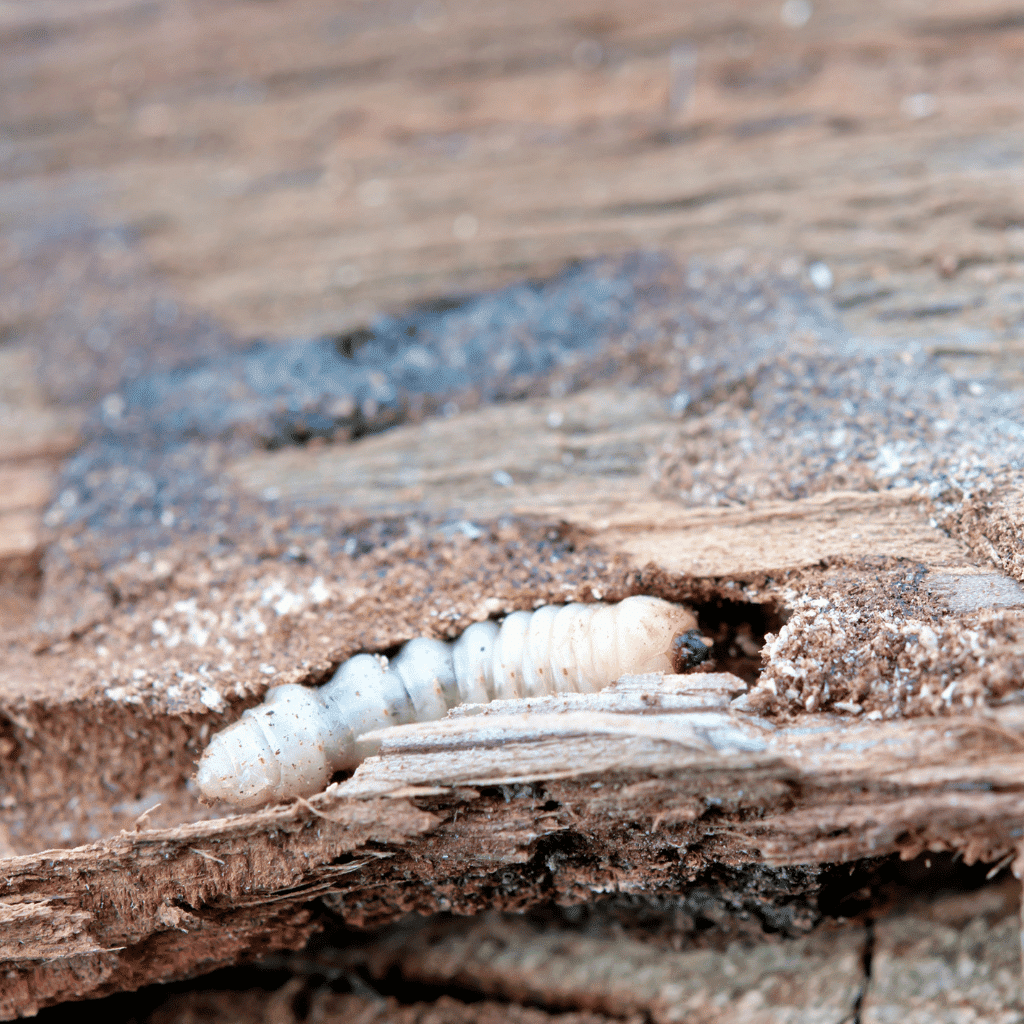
{"x":689,"y":650}
{"x":214,"y":776}
{"x":238,"y":767}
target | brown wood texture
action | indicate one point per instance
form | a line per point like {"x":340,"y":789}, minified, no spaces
{"x":296,"y":167}
{"x":943,"y":958}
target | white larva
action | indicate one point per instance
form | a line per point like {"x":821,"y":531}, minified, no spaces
{"x":298,"y":737}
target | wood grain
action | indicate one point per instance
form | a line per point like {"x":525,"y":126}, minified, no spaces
{"x":584,"y":460}
{"x":298,"y":167}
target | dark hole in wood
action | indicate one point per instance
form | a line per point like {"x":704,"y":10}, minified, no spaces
{"x":737,"y":630}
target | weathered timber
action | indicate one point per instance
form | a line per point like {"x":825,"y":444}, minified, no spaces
{"x":947,"y":956}
{"x":296,"y":168}
{"x":448,"y":809}
{"x":819,"y":977}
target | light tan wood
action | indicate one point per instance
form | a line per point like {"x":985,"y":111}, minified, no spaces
{"x":21,"y":534}
{"x":584,"y":460}
{"x":298,"y":166}
{"x":25,"y":487}
{"x":34,"y":436}
{"x":817,"y":978}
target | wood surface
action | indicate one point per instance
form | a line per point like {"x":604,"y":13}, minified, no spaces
{"x":290,"y":168}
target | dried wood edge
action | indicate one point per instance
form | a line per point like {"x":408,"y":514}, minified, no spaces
{"x":827,"y":790}
{"x":163,"y":904}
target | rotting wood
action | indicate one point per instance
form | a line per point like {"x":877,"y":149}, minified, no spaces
{"x":161,"y":892}
{"x":430,"y":823}
{"x":960,"y":955}
{"x":324,"y":1007}
{"x":638,"y":791}
{"x":409,"y":469}
{"x":916,"y":218}
{"x":34,"y":437}
{"x":932,"y":956}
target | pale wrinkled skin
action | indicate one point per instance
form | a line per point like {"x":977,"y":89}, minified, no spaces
{"x":291,"y":744}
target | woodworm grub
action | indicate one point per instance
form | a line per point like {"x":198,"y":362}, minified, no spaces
{"x":291,"y":744}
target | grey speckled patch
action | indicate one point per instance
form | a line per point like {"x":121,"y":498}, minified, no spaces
{"x":968,"y":592}
{"x":694,"y":333}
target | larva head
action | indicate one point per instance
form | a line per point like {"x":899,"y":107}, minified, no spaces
{"x":274,"y":752}
{"x":650,"y":632}
{"x":689,"y":650}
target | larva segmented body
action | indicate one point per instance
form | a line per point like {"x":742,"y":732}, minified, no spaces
{"x":292,"y":743}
